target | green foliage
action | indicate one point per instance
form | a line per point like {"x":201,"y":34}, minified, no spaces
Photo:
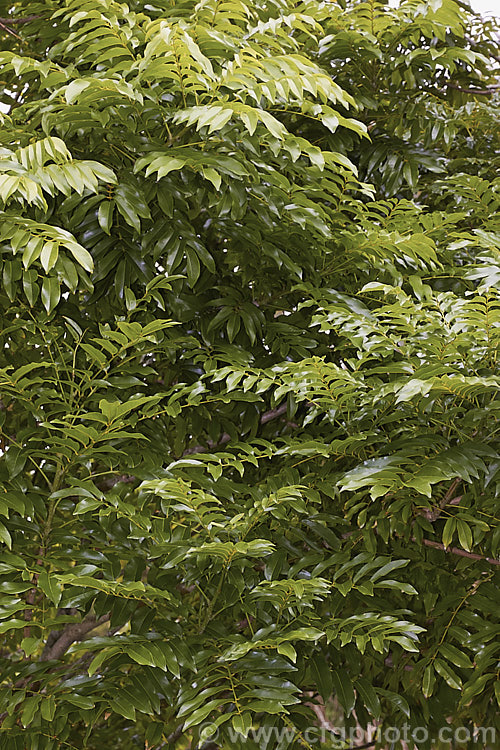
{"x":250,"y":296}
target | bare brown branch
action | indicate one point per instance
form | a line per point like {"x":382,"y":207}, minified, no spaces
{"x":18,"y":21}
{"x":70,"y":634}
{"x":460,"y":552}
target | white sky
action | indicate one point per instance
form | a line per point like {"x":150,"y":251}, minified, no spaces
{"x":487,"y":7}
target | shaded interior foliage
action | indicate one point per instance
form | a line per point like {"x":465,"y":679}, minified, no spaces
{"x":250,"y":307}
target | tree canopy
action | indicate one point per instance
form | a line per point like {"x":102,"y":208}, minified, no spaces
{"x":249,"y":390}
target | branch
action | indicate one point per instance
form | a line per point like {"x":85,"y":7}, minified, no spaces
{"x":69,"y":635}
{"x":17,"y":21}
{"x":458,"y":551}
{"x":174,"y":736}
{"x":108,"y":484}
{"x":31,"y":596}
{"x":447,"y":498}
{"x":30,"y":599}
{"x":319,"y":709}
{"x":481,"y":92}
{"x":9,"y":31}
{"x":474,"y":45}
{"x":389,"y":663}
{"x":273,"y":414}
{"x":267,"y":416}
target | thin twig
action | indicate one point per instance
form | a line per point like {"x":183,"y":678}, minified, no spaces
{"x":459,"y":552}
{"x":447,"y":498}
{"x":9,"y":31}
